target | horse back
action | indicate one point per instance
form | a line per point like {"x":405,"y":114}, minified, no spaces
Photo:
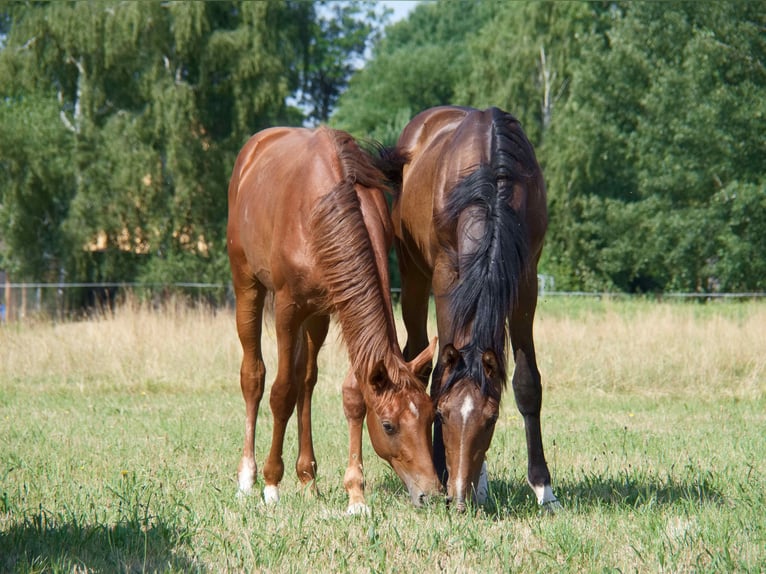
{"x":278,"y":177}
{"x":444,"y":145}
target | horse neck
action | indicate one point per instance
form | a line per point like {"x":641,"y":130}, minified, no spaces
{"x":356,"y":279}
{"x":368,"y":327}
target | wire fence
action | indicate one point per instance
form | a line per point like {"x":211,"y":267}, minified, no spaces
{"x":19,"y":301}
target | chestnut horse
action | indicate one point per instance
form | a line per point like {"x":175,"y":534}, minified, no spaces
{"x":469,"y":225}
{"x":308,"y":222}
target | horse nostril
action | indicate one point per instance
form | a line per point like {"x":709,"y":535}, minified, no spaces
{"x":460,"y":506}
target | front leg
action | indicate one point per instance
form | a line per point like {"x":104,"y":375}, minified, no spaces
{"x":355,"y":411}
{"x":284,"y":390}
{"x":527,"y":390}
{"x":306,"y":466}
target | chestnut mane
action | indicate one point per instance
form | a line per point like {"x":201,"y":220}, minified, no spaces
{"x":356,"y":286}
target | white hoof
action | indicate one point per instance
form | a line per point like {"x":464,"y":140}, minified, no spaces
{"x":547,"y":499}
{"x":482,"y":489}
{"x":271,"y":494}
{"x":358,"y":509}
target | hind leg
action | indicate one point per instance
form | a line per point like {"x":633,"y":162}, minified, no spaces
{"x":250,"y":296}
{"x":527,"y":390}
{"x":416,"y":288}
{"x":284,"y":391}
{"x":315,"y":333}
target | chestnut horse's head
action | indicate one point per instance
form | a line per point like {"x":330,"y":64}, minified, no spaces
{"x":467,"y":407}
{"x":399,"y":419}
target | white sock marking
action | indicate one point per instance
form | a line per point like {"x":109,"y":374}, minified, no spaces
{"x":358,"y":509}
{"x":246,"y":477}
{"x":270,"y":494}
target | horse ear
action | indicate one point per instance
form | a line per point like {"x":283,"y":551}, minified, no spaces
{"x":490,"y":364}
{"x":450,"y":356}
{"x":421,"y":365}
{"x":379,"y":377}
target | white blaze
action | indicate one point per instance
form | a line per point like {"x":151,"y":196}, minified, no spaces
{"x":465,"y":412}
{"x":466,"y":409}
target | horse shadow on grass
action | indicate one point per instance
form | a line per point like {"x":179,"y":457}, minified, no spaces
{"x":513,"y":497}
{"x":39,"y":545}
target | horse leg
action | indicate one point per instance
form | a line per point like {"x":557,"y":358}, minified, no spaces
{"x":528,"y":390}
{"x":315,"y":333}
{"x":355,"y":411}
{"x":416,"y":288}
{"x":284,"y":391}
{"x":250,"y":296}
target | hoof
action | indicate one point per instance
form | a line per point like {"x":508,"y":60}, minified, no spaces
{"x":546,"y":499}
{"x":482,"y":489}
{"x":271,"y":494}
{"x":358,"y":509}
{"x":552,"y":507}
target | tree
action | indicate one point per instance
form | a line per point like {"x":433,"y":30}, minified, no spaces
{"x":127,"y":118}
{"x":519,"y":60}
{"x":660,"y":122}
{"x":416,"y":65}
{"x":335,"y":48}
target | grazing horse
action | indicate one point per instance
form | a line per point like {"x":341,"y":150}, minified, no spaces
{"x":308,"y":222}
{"x":469,"y":225}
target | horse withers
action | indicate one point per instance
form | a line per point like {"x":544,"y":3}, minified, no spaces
{"x":308,"y":222}
{"x":469,"y":223}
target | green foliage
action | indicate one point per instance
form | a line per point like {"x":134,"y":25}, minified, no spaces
{"x":416,"y":66}
{"x":520,"y":60}
{"x":36,"y":183}
{"x":123,"y":121}
{"x":120,"y":121}
{"x":658,"y":122}
{"x":643,"y":114}
{"x":337,"y":44}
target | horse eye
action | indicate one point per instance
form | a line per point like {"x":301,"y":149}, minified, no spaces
{"x":388,"y":428}
{"x":491,"y":422}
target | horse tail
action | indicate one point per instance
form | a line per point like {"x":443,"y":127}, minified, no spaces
{"x":391,"y":161}
{"x":493,"y":251}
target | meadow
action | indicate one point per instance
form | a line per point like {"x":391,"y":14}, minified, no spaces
{"x":120,"y":436}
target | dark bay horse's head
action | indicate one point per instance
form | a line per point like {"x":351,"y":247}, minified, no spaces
{"x":467,"y":407}
{"x":399,"y":419}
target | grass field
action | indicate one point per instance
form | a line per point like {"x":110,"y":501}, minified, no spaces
{"x":120,"y":436}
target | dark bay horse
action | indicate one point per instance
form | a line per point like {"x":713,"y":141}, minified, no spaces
{"x":308,"y":221}
{"x":469,"y":223}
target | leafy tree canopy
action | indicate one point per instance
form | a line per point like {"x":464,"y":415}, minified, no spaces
{"x":120,"y":122}
{"x":648,"y":119}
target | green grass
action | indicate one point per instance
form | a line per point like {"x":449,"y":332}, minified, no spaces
{"x":120,"y":436}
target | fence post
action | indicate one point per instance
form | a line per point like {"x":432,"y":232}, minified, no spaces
{"x":23,"y":310}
